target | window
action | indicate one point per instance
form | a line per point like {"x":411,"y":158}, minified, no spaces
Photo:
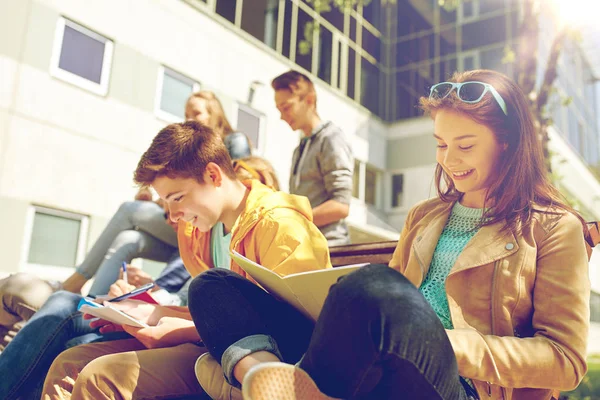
{"x":172,"y":91}
{"x":326,"y":53}
{"x":58,"y":238}
{"x":81,"y":57}
{"x":369,"y":94}
{"x":226,"y":9}
{"x":371,"y":186}
{"x":468,"y":61}
{"x":468,"y":10}
{"x":304,"y":40}
{"x":483,"y":32}
{"x":249,"y":123}
{"x":259,"y":18}
{"x":397,"y":190}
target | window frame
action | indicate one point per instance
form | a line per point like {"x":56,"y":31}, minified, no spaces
{"x":474,"y":54}
{"x":49,"y":269}
{"x":74,"y":79}
{"x":460,"y":14}
{"x":363,"y":166}
{"x":256,"y":147}
{"x":159,"y":112}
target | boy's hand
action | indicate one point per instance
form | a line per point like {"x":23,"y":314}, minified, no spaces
{"x":136,"y":276}
{"x":168,"y":332}
{"x":102,"y":325}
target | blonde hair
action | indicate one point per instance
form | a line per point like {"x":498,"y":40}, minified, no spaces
{"x":256,"y":168}
{"x":218,"y":121}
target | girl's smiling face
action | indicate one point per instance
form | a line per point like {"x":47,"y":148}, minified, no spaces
{"x":468,"y":152}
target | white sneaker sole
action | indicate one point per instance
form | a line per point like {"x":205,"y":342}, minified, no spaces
{"x":279,"y":381}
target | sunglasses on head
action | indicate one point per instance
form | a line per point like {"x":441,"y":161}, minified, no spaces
{"x":468,"y":92}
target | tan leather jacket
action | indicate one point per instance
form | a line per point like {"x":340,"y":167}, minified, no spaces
{"x":519,"y":304}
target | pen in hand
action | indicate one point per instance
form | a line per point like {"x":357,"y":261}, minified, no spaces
{"x":124,"y":266}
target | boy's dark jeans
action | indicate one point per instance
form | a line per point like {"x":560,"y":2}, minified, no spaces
{"x":376,"y":337}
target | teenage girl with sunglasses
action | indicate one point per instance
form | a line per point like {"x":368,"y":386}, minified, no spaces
{"x":487,"y":293}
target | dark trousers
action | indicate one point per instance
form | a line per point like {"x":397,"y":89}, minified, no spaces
{"x":376,"y":337}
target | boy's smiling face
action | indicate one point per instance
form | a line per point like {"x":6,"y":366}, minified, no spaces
{"x":200,"y":204}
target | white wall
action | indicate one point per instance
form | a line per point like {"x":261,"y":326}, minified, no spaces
{"x":66,"y":148}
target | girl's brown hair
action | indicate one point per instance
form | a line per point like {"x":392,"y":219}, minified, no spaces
{"x":218,"y":121}
{"x":256,"y":168}
{"x":521,"y":178}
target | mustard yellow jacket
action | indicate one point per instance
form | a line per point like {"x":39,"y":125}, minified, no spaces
{"x":519,"y":303}
{"x":275,"y":229}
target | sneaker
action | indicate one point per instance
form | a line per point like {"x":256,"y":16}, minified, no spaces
{"x":210,"y":376}
{"x":280,"y":381}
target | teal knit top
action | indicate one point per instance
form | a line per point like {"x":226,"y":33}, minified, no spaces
{"x":461,"y":227}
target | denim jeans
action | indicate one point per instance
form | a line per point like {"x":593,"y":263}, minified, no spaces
{"x":235,"y":317}
{"x":138,"y":229}
{"x":55,"y":327}
{"x":376,"y":337}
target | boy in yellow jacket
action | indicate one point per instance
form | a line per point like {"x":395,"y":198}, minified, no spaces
{"x":189,"y":167}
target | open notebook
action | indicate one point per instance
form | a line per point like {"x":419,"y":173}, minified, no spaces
{"x":87,"y":306}
{"x":306,"y":291}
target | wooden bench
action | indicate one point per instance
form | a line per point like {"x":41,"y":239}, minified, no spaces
{"x":375,"y":253}
{"x":381,"y":252}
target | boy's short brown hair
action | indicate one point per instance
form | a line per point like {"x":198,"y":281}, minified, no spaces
{"x":183,"y":150}
{"x":294,"y":81}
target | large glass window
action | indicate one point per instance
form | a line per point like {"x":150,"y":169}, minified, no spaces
{"x":484,"y":32}
{"x":81,"y":57}
{"x":226,"y":9}
{"x":491,"y":6}
{"x":372,"y":13}
{"x":259,"y":18}
{"x":326,"y":53}
{"x":335,"y":17}
{"x":351,"y":72}
{"x":57,"y":238}
{"x":287,"y":29}
{"x":448,"y":40}
{"x":492,"y":59}
{"x":369,"y":91}
{"x":415,"y":49}
{"x":411,"y":20}
{"x":371,"y":44}
{"x":304,"y":42}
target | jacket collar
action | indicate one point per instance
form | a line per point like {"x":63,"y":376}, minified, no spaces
{"x":488,"y":245}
